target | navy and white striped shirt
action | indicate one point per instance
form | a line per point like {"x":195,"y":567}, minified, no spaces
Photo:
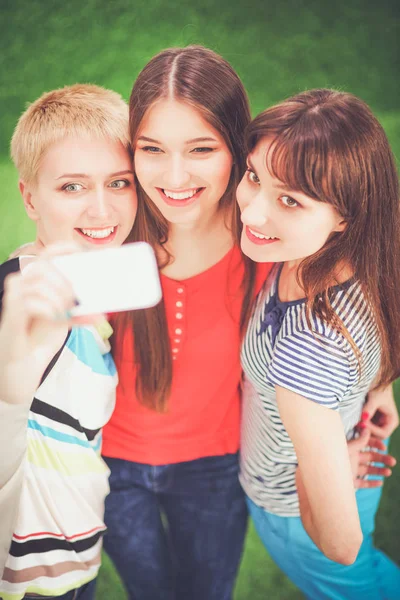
{"x":317,"y":363}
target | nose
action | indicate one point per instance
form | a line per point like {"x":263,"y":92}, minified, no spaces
{"x":256,"y":211}
{"x":99,"y":207}
{"x":178,"y":174}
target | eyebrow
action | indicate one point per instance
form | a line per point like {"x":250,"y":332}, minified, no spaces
{"x":85,"y":176}
{"x":287,"y":188}
{"x":201,"y":139}
{"x":144,"y":138}
{"x":280,"y":186}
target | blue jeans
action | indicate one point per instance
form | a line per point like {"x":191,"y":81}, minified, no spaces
{"x":373,"y":576}
{"x":176,"y":532}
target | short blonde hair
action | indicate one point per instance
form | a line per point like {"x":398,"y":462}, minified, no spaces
{"x":80,"y":110}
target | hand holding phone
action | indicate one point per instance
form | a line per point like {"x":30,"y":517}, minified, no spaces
{"x":113,"y":279}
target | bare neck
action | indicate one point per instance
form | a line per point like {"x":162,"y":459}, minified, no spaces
{"x":197,"y":247}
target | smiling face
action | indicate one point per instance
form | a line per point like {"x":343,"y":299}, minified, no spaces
{"x":182,"y":163}
{"x":84,"y":193}
{"x":280,"y":224}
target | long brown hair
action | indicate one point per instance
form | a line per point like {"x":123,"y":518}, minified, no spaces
{"x":199,"y":77}
{"x":329,"y":145}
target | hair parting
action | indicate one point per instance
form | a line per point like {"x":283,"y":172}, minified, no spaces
{"x":201,"y":78}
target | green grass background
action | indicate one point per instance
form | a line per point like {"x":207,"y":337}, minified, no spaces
{"x":278,"y":48}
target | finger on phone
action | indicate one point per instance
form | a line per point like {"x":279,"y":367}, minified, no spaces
{"x":43,"y":274}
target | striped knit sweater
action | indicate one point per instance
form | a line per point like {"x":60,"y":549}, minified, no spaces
{"x":62,"y":480}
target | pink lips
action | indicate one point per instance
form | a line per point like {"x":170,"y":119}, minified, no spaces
{"x":257,"y":240}
{"x":181,"y":203}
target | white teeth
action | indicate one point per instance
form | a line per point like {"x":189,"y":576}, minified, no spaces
{"x":98,"y":233}
{"x":262,"y":237}
{"x":180,"y":195}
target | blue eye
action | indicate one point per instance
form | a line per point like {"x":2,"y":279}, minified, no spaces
{"x":289,"y":202}
{"x":252,"y":176}
{"x":72,"y":187}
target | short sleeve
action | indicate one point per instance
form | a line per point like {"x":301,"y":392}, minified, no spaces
{"x":312,"y":366}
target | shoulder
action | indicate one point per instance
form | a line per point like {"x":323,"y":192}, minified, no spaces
{"x":10,"y":266}
{"x":319,"y":356}
{"x":349,"y":305}
{"x":313,"y":365}
{"x":353,"y":311}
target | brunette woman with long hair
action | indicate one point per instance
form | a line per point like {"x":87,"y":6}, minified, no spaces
{"x":321,"y":199}
{"x":176,"y":514}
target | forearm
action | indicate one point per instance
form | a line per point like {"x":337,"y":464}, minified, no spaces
{"x":305,"y":511}
{"x":325,"y":532}
{"x":327,"y":501}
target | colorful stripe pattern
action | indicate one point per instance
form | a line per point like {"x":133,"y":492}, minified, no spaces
{"x":57,"y":540}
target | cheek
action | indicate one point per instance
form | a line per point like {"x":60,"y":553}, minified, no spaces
{"x":145,"y":169}
{"x":215,"y":170}
{"x":59,"y":214}
{"x":313,"y":231}
{"x":218,"y":171}
{"x":125,"y":207}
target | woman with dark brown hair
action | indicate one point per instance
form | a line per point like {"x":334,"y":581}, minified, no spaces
{"x":172,"y":443}
{"x":321,"y":199}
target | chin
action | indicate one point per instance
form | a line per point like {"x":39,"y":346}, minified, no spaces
{"x":252,"y":252}
{"x":181,"y":217}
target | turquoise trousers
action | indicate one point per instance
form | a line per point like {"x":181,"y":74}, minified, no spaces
{"x":373,"y":576}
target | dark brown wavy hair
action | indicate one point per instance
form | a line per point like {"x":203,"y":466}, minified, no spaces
{"x":329,"y":145}
{"x":201,"y":78}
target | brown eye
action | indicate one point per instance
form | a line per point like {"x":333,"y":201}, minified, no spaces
{"x":289,"y":201}
{"x":202,"y":150}
{"x":252,"y":177}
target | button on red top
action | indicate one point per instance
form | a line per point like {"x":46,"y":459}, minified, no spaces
{"x":204,"y":406}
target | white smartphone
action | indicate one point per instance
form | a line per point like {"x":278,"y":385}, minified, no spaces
{"x":113,"y":279}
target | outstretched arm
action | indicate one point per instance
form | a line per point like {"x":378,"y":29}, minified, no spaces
{"x":32,"y":328}
{"x":29,"y":338}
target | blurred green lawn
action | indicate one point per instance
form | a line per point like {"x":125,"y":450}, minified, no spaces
{"x":277,"y":48}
